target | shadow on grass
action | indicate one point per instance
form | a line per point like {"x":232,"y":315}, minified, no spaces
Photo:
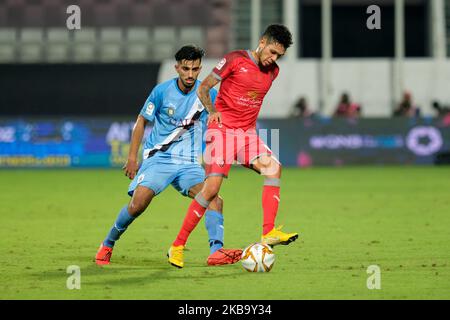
{"x":133,"y":272}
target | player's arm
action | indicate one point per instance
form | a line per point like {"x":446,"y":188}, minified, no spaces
{"x":131,"y":166}
{"x":205,"y":98}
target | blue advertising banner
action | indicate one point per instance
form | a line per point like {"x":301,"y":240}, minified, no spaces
{"x":104,"y":142}
{"x":335,"y":142}
{"x":64,"y":142}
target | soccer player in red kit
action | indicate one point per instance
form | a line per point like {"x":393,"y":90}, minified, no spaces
{"x":246,"y":78}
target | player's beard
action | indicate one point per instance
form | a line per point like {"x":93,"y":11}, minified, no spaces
{"x":266,"y":62}
{"x":188,"y":85}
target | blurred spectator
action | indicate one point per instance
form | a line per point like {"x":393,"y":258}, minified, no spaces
{"x":406,"y":108}
{"x":346,"y":108}
{"x":301,"y":109}
{"x":441,"y":111}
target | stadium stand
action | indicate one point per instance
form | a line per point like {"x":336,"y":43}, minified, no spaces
{"x":111,"y":30}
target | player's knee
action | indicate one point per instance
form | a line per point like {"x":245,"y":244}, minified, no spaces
{"x":272,"y":170}
{"x":275,"y":168}
{"x":219,"y":201}
{"x":210,"y":191}
{"x":279,"y":167}
{"x":136,"y":207}
{"x":209,"y":194}
{"x":217,"y":204}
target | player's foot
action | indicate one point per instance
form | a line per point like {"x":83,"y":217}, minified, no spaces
{"x":175,"y":256}
{"x":103,"y":255}
{"x":224,"y":256}
{"x":276,"y":237}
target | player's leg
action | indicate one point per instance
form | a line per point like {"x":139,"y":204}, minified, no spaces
{"x":265,"y":163}
{"x":142,"y":196}
{"x":193,"y":216}
{"x":189,"y":182}
{"x":215,"y":228}
{"x":271,"y":170}
{"x":147,"y":183}
{"x":213,"y":219}
{"x":217,"y":167}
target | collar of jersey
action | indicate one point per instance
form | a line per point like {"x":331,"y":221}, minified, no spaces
{"x":251,"y":57}
{"x":180,"y":91}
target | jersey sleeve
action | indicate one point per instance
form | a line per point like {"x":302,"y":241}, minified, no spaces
{"x":225,"y":66}
{"x":152,"y":104}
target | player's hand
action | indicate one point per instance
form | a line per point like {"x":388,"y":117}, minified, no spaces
{"x":214,"y":117}
{"x":131,"y":168}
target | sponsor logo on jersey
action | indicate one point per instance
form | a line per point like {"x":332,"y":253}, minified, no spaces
{"x":221,"y":64}
{"x":171,"y":111}
{"x":220,"y":162}
{"x":243,"y":70}
{"x":252,"y":94}
{"x":150,"y":108}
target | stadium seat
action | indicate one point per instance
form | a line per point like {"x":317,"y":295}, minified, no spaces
{"x":110,"y":44}
{"x":58,"y":35}
{"x":57,"y":52}
{"x":162,"y":51}
{"x":110,"y":52}
{"x":30,"y":52}
{"x":138,"y":34}
{"x":6,"y":53}
{"x":84,"y":52}
{"x":110,"y":34}
{"x":58,"y":44}
{"x":138,"y":39}
{"x":34,"y":35}
{"x":34,"y":14}
{"x":8,"y":44}
{"x":7,"y":35}
{"x":164,"y":39}
{"x":164,"y":34}
{"x":85,"y":35}
{"x":31,"y":44}
{"x":137,"y":52}
{"x":84,"y":45}
{"x":192,"y":35}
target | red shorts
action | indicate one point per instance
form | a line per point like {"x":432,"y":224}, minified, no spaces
{"x":224,"y":146}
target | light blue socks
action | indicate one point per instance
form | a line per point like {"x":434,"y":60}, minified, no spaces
{"x":124,"y":219}
{"x":214,"y":226}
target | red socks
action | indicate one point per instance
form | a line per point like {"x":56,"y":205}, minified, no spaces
{"x":270,"y":201}
{"x":193,"y":217}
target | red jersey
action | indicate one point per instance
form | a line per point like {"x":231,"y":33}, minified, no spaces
{"x":243,"y":88}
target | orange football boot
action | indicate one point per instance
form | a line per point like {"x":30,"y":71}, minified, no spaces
{"x":224,"y":256}
{"x":103,"y":255}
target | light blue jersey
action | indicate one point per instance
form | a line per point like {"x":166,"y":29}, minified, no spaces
{"x":172,"y":149}
{"x":179,"y":122}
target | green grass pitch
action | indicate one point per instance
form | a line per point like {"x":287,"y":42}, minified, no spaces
{"x":349,"y":218}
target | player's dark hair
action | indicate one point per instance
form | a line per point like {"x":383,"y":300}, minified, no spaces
{"x":278,"y":33}
{"x":189,"y":52}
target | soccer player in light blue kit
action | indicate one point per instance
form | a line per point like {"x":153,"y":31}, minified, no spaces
{"x":171,"y":155}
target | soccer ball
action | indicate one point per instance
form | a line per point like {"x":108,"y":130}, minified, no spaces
{"x":258,"y":257}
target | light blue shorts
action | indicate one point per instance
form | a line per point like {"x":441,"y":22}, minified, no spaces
{"x":156,"y":174}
